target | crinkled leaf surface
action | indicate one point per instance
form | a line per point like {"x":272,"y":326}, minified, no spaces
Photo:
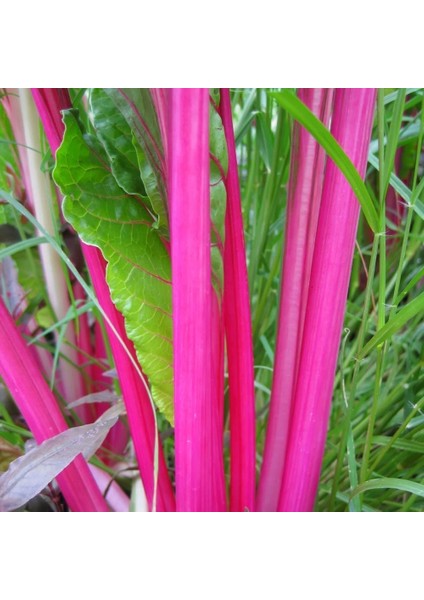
{"x":28,"y":475}
{"x":116,"y":136}
{"x":135,"y":106}
{"x":139,"y":269}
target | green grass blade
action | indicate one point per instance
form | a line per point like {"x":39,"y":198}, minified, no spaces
{"x":397,"y":322}
{"x":303,"y":115}
{"x":23,"y":245}
{"x":393,"y":137}
{"x":390,"y":483}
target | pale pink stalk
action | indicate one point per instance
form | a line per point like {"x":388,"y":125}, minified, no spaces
{"x":38,"y":406}
{"x":115,"y":496}
{"x":13,"y":110}
{"x":238,"y":331}
{"x":303,"y":204}
{"x":197,"y":476}
{"x":140,"y":414}
{"x":331,"y":266}
{"x":54,"y":277}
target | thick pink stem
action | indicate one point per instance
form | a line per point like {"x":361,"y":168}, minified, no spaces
{"x":332,"y":261}
{"x":38,"y":406}
{"x":304,"y":199}
{"x":197,"y":476}
{"x":238,"y":330}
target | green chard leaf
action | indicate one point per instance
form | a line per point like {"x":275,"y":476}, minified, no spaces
{"x":135,"y":108}
{"x":121,"y":225}
{"x":116,"y":136}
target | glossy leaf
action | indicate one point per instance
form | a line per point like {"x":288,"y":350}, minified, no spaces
{"x":136,"y":106}
{"x":139,"y":273}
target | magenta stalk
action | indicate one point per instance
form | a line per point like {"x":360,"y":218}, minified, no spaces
{"x":197,"y":477}
{"x":137,"y":402}
{"x":331,"y":266}
{"x":38,"y":406}
{"x":238,"y":331}
{"x":303,"y":204}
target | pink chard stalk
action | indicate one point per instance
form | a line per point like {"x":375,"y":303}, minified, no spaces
{"x":21,"y":373}
{"x":136,"y":399}
{"x":352,"y":121}
{"x":199,"y":479}
{"x":303,"y":205}
{"x":238,"y":330}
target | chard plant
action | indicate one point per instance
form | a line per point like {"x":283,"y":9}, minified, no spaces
{"x":156,"y":245}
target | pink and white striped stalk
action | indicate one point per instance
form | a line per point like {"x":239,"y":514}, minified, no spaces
{"x":198,"y":477}
{"x":238,"y":331}
{"x":331,"y":266}
{"x":38,"y":406}
{"x":54,"y":277}
{"x":303,"y":204}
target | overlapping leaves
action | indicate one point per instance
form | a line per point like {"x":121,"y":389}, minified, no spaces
{"x":139,"y":270}
{"x":114,"y":183}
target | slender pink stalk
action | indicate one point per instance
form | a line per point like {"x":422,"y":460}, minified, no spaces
{"x":38,"y":406}
{"x":216,"y":408}
{"x":303,"y":204}
{"x":117,"y":438}
{"x":332,"y":261}
{"x":238,"y":330}
{"x":49,"y":103}
{"x":137,"y":402}
{"x":87,"y":412}
{"x":16,"y":301}
{"x":197,"y":476}
{"x":160,"y":98}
